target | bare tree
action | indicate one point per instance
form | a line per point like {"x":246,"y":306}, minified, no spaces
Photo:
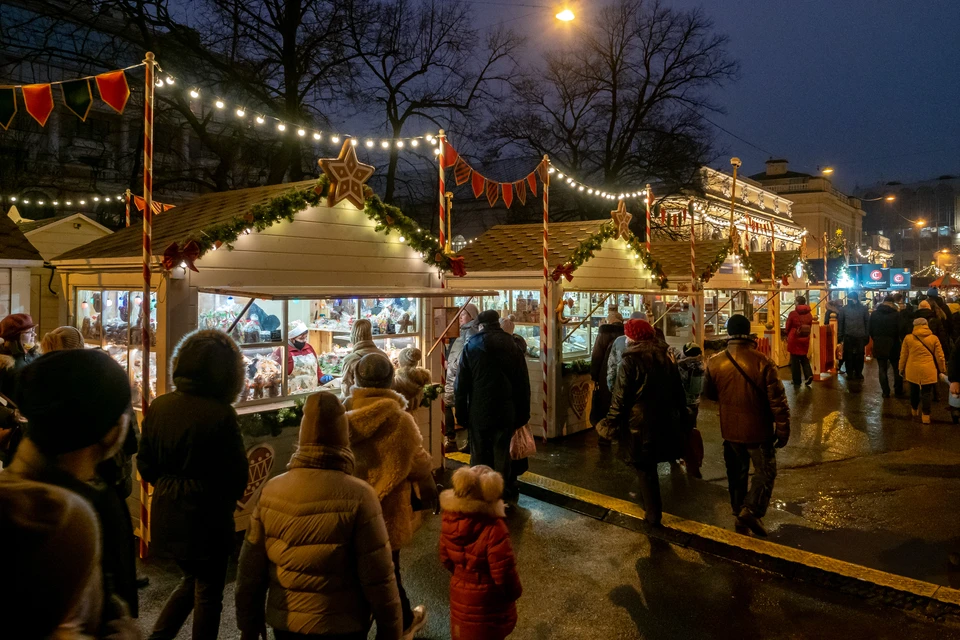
{"x":424,"y":62}
{"x":623,"y":104}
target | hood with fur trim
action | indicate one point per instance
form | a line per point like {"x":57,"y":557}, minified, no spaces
{"x":209,"y":363}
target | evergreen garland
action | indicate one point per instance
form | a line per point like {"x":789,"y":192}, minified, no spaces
{"x":607,"y":231}
{"x":747,"y":263}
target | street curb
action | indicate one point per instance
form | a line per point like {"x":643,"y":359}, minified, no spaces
{"x":924,"y":598}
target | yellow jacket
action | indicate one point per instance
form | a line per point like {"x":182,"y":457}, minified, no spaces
{"x":917,"y":363}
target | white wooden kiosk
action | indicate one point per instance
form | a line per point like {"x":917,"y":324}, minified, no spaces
{"x":325,"y":267}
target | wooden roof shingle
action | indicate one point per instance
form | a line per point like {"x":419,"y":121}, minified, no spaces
{"x":13,"y":244}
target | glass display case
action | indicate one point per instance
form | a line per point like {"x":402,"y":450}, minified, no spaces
{"x":325,"y":324}
{"x":112,"y":320}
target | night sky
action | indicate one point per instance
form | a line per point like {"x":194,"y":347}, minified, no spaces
{"x":869,"y":87}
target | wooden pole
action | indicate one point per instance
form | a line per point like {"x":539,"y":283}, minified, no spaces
{"x":733,"y":200}
{"x":127,"y":194}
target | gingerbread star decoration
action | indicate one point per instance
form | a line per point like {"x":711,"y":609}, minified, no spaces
{"x":621,"y":218}
{"x":347,"y":176}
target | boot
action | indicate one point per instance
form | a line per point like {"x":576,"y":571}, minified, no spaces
{"x":914,"y":412}
{"x":449,"y":444}
{"x":754,"y":523}
{"x":925,"y":418}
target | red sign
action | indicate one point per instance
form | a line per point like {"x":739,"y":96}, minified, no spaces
{"x":898,"y":278}
{"x":876,"y":275}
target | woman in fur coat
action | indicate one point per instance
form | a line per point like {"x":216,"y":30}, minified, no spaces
{"x":411,"y":378}
{"x":475,"y":547}
{"x":388,"y":448}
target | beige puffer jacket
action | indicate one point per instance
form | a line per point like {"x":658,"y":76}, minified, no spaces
{"x":317,"y":541}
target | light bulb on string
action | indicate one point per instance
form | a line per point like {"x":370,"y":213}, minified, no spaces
{"x":241,"y":113}
{"x":336,"y":139}
{"x":219,"y":104}
{"x":159,"y":82}
{"x":69,"y":203}
{"x":369,"y":144}
{"x":169,"y":80}
{"x":194,"y":93}
{"x":385,"y":144}
{"x":96,"y":198}
{"x":399,"y":144}
{"x":82,"y":202}
{"x":301,"y":132}
{"x":414,"y":142}
{"x":316,"y":136}
{"x":551,"y":170}
{"x":55,"y":203}
{"x":436,"y":152}
{"x":281,"y":127}
{"x":259,"y":119}
{"x":13,"y":198}
{"x":40,"y":202}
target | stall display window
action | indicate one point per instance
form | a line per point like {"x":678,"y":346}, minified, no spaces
{"x":390,"y":316}
{"x":263,"y":375}
{"x":88,"y":314}
{"x":136,"y":340}
{"x":260,"y":324}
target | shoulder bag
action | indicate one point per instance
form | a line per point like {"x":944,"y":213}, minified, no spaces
{"x":932,"y":354}
{"x":756,"y":387}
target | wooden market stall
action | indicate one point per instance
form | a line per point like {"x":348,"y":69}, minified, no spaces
{"x":269,"y":258}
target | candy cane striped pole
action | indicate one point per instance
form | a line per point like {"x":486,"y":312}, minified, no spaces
{"x":649,"y":194}
{"x":823,"y":248}
{"x":145,"y":304}
{"x":693,"y":278}
{"x":441,"y":141}
{"x":127,"y":194}
{"x":544,"y":301}
{"x":443,"y":381}
{"x":773,"y":261}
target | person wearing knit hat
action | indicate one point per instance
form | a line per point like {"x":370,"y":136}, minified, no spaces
{"x":192,"y":452}
{"x":316,"y":557}
{"x":62,"y":338}
{"x":615,"y":352}
{"x":69,"y":433}
{"x":410,"y":378}
{"x":389,"y":453}
{"x":361,"y":337}
{"x":754,"y":422}
{"x":487,"y":318}
{"x":18,"y":349}
{"x":922,"y":362}
{"x":468,"y":329}
{"x":303,"y":365}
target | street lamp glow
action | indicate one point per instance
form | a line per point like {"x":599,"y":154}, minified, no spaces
{"x":827,"y":171}
{"x":890,"y":198}
{"x":920,"y":223}
{"x":566,"y":15}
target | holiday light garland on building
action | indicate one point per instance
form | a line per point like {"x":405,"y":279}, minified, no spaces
{"x":589,"y":246}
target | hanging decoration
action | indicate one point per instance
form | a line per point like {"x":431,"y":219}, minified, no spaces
{"x":589,"y":246}
{"x":184,"y":255}
{"x":114,"y":89}
{"x":461,"y":171}
{"x":507,"y":189}
{"x":494,"y":190}
{"x":156,"y":207}
{"x":520,"y":188}
{"x":621,"y":219}
{"x":347,"y":177}
{"x":8,"y":106}
{"x":38,"y":100}
{"x":77,"y":97}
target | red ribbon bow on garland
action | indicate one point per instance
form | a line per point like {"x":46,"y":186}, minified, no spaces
{"x":174,"y":255}
{"x":563,"y":271}
{"x":457,"y":266}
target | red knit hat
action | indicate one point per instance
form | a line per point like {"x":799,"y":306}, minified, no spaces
{"x":15,"y":324}
{"x":637,"y":329}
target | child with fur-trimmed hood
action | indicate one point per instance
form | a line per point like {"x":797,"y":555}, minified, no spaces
{"x":475,"y":547}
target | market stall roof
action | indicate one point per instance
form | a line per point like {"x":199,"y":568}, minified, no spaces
{"x":946,"y":281}
{"x":181,"y":223}
{"x":308,"y":293}
{"x":518,"y":247}
{"x":13,"y":244}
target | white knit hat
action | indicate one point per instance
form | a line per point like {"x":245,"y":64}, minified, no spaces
{"x":296,"y":328}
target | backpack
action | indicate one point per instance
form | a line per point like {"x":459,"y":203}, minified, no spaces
{"x":803,"y":330}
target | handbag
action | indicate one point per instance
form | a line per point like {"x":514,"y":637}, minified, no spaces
{"x":522,"y":444}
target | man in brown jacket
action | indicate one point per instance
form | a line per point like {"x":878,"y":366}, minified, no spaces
{"x":754,"y":421}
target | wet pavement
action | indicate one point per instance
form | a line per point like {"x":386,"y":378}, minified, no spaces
{"x":861,"y":480}
{"x":585,"y":579}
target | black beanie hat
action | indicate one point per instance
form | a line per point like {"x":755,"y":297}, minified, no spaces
{"x":72,"y":399}
{"x":738,"y":325}
{"x":489,"y":317}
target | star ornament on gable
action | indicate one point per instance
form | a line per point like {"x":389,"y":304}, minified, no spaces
{"x":621,"y":219}
{"x":347,"y":176}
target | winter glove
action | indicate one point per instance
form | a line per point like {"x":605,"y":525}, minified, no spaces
{"x":781,"y":441}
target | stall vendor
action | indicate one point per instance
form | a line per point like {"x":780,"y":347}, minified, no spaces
{"x":303,"y":365}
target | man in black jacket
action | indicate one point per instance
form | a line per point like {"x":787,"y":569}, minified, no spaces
{"x":885,"y":332}
{"x":852,"y":331}
{"x":493,"y":397}
{"x":192,"y":453}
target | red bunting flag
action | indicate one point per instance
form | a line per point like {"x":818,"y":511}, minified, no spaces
{"x":520,"y":187}
{"x":8,"y":106}
{"x":449,"y":157}
{"x":542,"y":171}
{"x":507,"y":189}
{"x":532,"y":181}
{"x":38,"y":99}
{"x":478,"y":183}
{"x":157,"y":207}
{"x":114,"y":89}
{"x":493,"y":192}
{"x":461,"y":171}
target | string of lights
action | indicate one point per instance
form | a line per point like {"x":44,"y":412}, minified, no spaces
{"x":264,"y":121}
{"x":579,"y":186}
{"x":82,"y":201}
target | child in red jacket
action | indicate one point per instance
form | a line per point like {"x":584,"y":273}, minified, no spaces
{"x":475,"y":548}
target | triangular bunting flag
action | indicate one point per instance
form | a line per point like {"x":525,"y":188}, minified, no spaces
{"x":77,"y":97}
{"x":449,"y":157}
{"x":520,"y":187}
{"x":478,"y":184}
{"x":493,"y":192}
{"x":114,"y":89}
{"x":663,"y":213}
{"x":461,"y":171}
{"x":543,"y":172}
{"x":532,"y":182}
{"x":156,"y":207}
{"x":8,"y":106}
{"x":38,"y":100}
{"x":507,"y":189}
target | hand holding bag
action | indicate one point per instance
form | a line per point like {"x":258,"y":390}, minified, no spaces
{"x":522,"y":444}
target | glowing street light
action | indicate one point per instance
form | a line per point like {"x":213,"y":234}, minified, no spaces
{"x":566,"y":15}
{"x":827,"y":171}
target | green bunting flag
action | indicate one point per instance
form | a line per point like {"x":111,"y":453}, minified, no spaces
{"x":77,"y":97}
{"x":8,"y":106}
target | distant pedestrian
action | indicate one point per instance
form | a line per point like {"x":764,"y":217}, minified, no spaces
{"x":617,"y":349}
{"x":754,"y":421}
{"x":648,"y":411}
{"x":316,"y":549}
{"x":361,"y":337}
{"x":388,"y":448}
{"x":853,"y":332}
{"x":468,"y":329}
{"x":799,"y":326}
{"x":475,"y":547}
{"x":68,"y":434}
{"x":192,"y":452}
{"x":493,"y":397}
{"x":885,"y":333}
{"x":607,"y":333}
{"x":18,"y":349}
{"x":921,"y":364}
{"x":411,"y":378}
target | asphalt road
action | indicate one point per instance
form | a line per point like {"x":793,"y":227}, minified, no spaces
{"x":586,"y":579}
{"x":861,"y":480}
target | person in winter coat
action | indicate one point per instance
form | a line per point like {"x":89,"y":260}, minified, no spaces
{"x":647,"y":411}
{"x":361,"y":337}
{"x":68,"y":434}
{"x":615,"y":354}
{"x":302,"y":357}
{"x":926,"y":311}
{"x":885,"y":333}
{"x":907,"y":315}
{"x":192,"y":452}
{"x":606,"y":335}
{"x":493,"y":397}
{"x":389,"y":454}
{"x":475,"y":547}
{"x":754,"y":421}
{"x":316,"y":549}
{"x":411,"y":378}
{"x":853,"y":332}
{"x":945,"y":315}
{"x":468,"y":329}
{"x":798,"y":328}
{"x":921,"y":364}
{"x":18,"y":349}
